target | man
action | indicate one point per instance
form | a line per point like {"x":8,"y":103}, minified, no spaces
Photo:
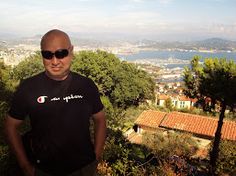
{"x":59,"y":104}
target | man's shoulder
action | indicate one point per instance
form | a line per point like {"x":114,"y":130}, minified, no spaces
{"x":32,"y":81}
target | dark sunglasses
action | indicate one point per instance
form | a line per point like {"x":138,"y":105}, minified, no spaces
{"x":59,"y":54}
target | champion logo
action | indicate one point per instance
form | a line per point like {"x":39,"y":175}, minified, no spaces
{"x":41,"y":99}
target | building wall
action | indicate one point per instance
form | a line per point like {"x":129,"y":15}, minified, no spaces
{"x":142,"y":129}
{"x":162,"y":102}
{"x":183,"y":104}
{"x":177,"y":103}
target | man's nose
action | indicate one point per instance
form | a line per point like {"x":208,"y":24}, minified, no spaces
{"x":54,"y":60}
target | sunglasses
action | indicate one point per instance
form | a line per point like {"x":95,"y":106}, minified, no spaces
{"x":59,"y":54}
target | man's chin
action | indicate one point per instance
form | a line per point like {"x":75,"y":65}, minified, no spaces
{"x":57,"y":75}
{"x":55,"y":70}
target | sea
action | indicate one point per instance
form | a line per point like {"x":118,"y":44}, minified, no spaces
{"x":173,"y":59}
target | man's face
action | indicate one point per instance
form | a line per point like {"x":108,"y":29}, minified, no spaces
{"x":57,"y":68}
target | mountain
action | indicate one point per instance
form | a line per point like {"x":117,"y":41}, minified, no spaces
{"x":208,"y":44}
{"x":92,"y":41}
{"x":216,"y":43}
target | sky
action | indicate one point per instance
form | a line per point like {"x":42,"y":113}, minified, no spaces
{"x":181,"y":20}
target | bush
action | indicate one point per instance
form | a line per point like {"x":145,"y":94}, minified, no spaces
{"x":227,"y":157}
{"x":166,"y":145}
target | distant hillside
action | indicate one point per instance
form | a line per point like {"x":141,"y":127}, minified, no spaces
{"x":92,"y":42}
{"x":208,"y":44}
{"x":216,"y":43}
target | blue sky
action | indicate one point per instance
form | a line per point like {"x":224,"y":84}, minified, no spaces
{"x":151,"y":19}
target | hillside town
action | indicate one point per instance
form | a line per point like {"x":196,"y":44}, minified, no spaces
{"x":168,"y":78}
{"x":168,"y":81}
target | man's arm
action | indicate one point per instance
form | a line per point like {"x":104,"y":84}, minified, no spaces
{"x":100,"y":133}
{"x":15,"y":142}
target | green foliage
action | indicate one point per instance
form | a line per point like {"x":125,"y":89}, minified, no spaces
{"x":227,"y":157}
{"x":99,"y":66}
{"x":191,"y":78}
{"x":153,"y":158}
{"x":8,"y":163}
{"x":6,"y":84}
{"x":5,"y":95}
{"x":216,"y":79}
{"x":219,"y":80}
{"x":168,"y":104}
{"x":132,"y":85}
{"x":110,"y":112}
{"x":3,"y":111}
{"x":4,"y":155}
{"x":167,"y":145}
{"x":123,"y":119}
{"x":120,"y":155}
{"x":121,"y":82}
{"x":29,"y":67}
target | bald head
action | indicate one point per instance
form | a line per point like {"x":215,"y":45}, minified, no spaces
{"x":53,"y":35}
{"x":59,"y":54}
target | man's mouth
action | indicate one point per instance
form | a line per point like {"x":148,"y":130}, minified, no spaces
{"x":55,"y":68}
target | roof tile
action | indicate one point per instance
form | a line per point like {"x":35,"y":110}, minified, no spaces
{"x":197,"y":124}
{"x":150,"y":118}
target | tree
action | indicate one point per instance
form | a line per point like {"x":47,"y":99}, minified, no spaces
{"x":227,"y":159}
{"x":29,"y":67}
{"x":99,"y":66}
{"x":2,"y":84}
{"x":215,"y":79}
{"x":132,"y":86}
{"x":168,"y":103}
{"x":121,"y":82}
{"x":6,"y":84}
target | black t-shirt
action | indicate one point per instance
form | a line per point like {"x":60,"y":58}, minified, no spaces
{"x":59,"y":113}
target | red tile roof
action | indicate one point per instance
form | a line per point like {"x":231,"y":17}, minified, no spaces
{"x":184,"y":98}
{"x":179,"y":97}
{"x":163,"y":97}
{"x":196,"y":124}
{"x":150,"y":118}
{"x":200,"y":125}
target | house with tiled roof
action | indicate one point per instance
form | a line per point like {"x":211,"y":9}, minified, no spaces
{"x":200,"y":126}
{"x":178,"y":101}
{"x":149,"y":120}
{"x":162,"y":98}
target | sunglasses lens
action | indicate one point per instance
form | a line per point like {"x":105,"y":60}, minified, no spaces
{"x":47,"y":54}
{"x":60,"y":54}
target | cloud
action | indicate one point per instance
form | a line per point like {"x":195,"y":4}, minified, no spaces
{"x":158,"y":1}
{"x":132,"y":16}
{"x":165,"y":1}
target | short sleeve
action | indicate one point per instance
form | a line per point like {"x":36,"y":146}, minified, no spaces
{"x":96,"y":101}
{"x":19,"y":105}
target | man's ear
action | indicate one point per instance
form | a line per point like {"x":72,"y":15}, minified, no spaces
{"x":72,"y":51}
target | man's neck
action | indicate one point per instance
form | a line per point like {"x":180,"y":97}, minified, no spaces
{"x":57,"y":78}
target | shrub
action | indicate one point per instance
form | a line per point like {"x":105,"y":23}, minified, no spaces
{"x":167,"y":145}
{"x":227,"y":157}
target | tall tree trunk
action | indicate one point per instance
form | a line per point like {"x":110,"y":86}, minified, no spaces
{"x":215,"y":150}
